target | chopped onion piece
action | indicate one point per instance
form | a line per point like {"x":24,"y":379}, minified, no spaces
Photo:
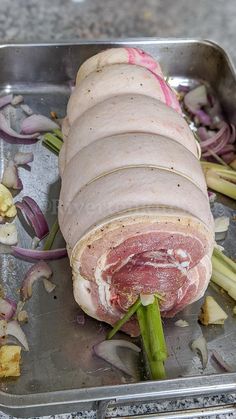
{"x":108,"y":350}
{"x":9,"y":134}
{"x":8,"y":234}
{"x":199,"y":345}
{"x":14,"y":329}
{"x":195,"y":99}
{"x":10,"y":177}
{"x":39,"y":254}
{"x":35,"y":243}
{"x":23,"y":158}
{"x":38,"y":123}
{"x":38,"y":271}
{"x":27,"y":110}
{"x":23,"y":316}
{"x":221,"y":227}
{"x":181,"y":323}
{"x":3,"y":328}
{"x":48,"y":285}
{"x":7,"y":308}
{"x":221,"y":362}
{"x":147,"y":299}
{"x":17,"y":100}
{"x":5,"y":100}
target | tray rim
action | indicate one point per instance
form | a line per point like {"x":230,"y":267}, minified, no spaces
{"x":144,"y":390}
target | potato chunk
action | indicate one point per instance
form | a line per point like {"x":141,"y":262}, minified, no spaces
{"x":10,"y":357}
{"x":211,"y":312}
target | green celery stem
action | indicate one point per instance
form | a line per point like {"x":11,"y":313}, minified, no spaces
{"x":51,"y":237}
{"x":132,"y":310}
{"x":53,"y":142}
{"x":152,"y":337}
{"x":58,"y":133}
{"x":156,"y":336}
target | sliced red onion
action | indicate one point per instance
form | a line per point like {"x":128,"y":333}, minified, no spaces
{"x":21,"y":158}
{"x":195,"y":99}
{"x":8,"y":134}
{"x":38,"y":123}
{"x":48,"y":285}
{"x":5,"y":100}
{"x":53,"y":254}
{"x":38,"y":271}
{"x":14,"y":329}
{"x":7,"y":308}
{"x":27,"y":110}
{"x":202,"y":117}
{"x":199,"y":345}
{"x":233,"y":134}
{"x":34,"y":216}
{"x":8,"y":234}
{"x":80,"y":318}
{"x":108,"y":350}
{"x":17,"y":100}
{"x":11,"y":178}
{"x":220,"y":361}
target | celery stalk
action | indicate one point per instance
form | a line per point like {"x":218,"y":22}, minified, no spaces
{"x":52,"y":142}
{"x":224,"y":272}
{"x":51,"y":237}
{"x":132,"y":310}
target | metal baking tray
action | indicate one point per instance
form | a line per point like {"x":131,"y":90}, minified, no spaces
{"x":60,"y":372}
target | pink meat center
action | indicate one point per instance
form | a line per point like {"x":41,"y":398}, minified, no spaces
{"x":142,"y":265}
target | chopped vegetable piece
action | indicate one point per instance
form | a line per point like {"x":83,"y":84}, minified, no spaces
{"x":23,"y":316}
{"x":58,"y":133}
{"x":220,"y":178}
{"x":224,"y":272}
{"x":52,"y":142}
{"x":221,"y":227}
{"x":132,"y":310}
{"x":8,"y":234}
{"x":211,"y":312}
{"x":17,"y":100}
{"x":34,"y":216}
{"x":38,"y":271}
{"x":37,"y":123}
{"x":48,"y":285}
{"x":14,"y":329}
{"x":153,"y":338}
{"x":9,"y":134}
{"x":7,"y":207}
{"x":181,"y":323}
{"x":51,"y":236}
{"x":10,"y":177}
{"x":35,"y":254}
{"x":234,"y":310}
{"x":23,"y":158}
{"x":10,"y":357}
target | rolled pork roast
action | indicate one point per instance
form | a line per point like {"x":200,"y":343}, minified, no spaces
{"x":133,"y":209}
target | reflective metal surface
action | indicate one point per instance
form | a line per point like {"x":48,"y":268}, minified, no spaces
{"x":60,"y":372}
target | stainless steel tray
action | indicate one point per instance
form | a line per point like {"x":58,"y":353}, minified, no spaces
{"x":60,"y":373}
